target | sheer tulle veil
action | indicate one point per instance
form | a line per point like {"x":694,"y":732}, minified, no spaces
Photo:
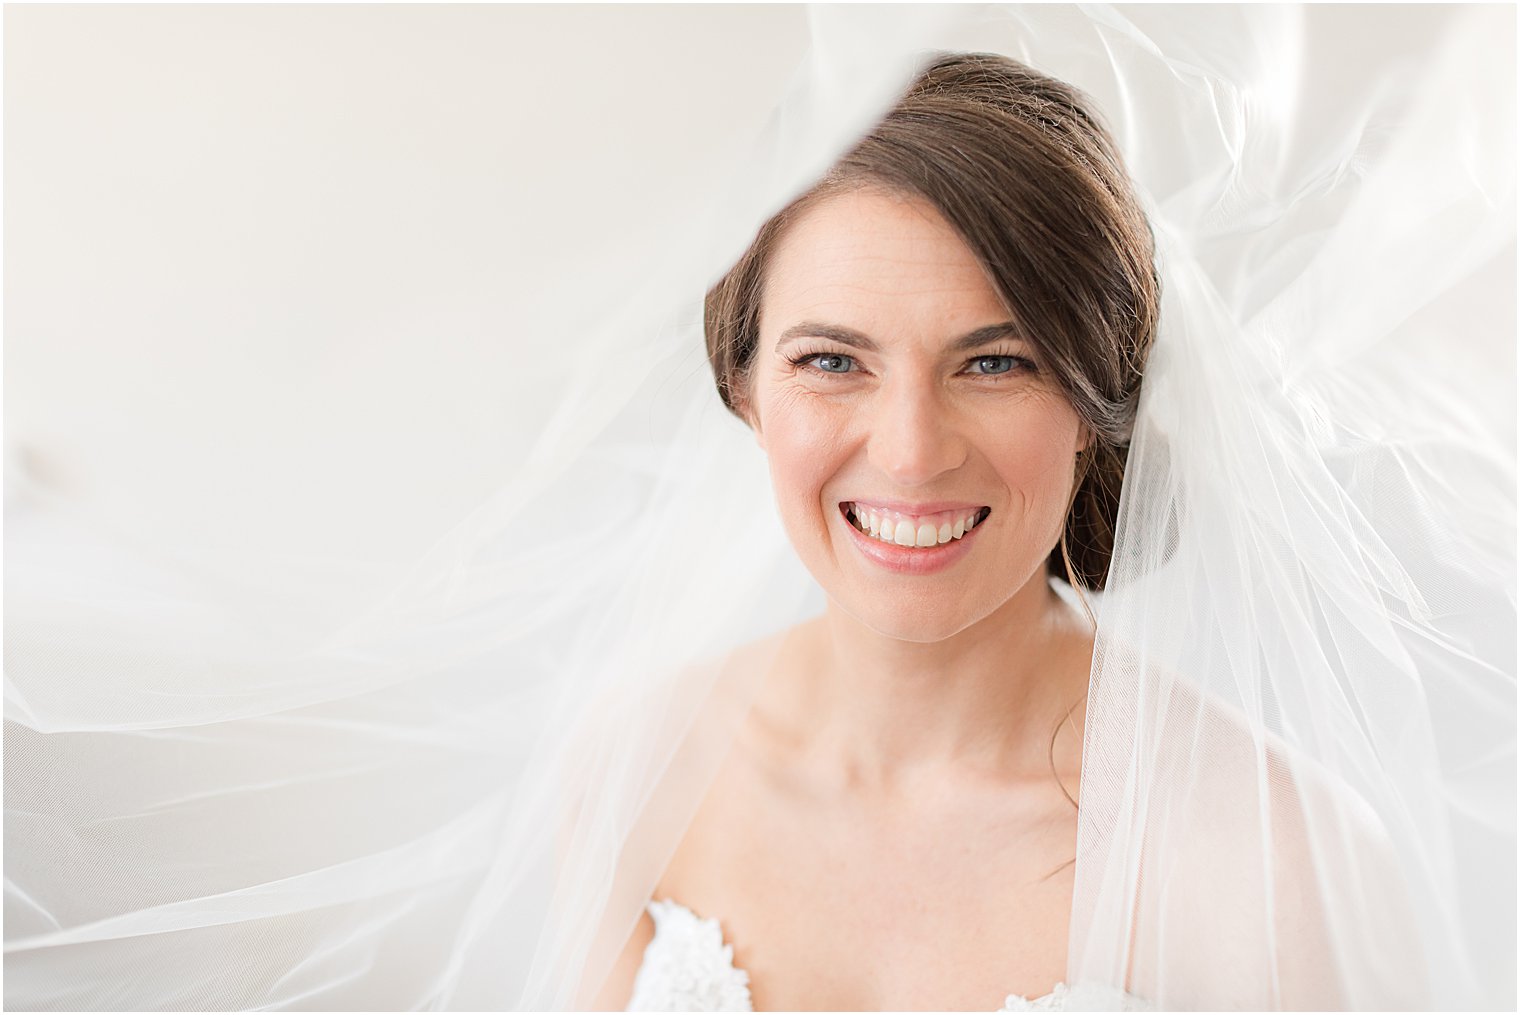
{"x":285,"y":727}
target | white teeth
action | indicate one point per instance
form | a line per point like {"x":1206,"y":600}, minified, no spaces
{"x":920,"y":531}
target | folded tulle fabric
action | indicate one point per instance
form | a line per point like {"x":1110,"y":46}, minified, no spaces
{"x":247,"y":773}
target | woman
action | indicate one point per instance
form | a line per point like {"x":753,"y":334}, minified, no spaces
{"x":237,"y":776}
{"x":940,"y":349}
{"x":944,"y":424}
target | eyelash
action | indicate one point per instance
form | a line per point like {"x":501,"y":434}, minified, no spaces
{"x":803,"y":360}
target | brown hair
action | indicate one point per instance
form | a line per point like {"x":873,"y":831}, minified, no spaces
{"x":1019,"y":164}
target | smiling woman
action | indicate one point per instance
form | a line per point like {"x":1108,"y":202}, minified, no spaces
{"x":939,"y":348}
{"x":996,"y":188}
{"x":921,"y":423}
{"x":1081,"y":581}
{"x":931,"y":379}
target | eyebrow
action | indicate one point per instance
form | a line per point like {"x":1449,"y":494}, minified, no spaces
{"x":859,"y":340}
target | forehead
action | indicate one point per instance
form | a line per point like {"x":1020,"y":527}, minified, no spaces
{"x":888,"y":264}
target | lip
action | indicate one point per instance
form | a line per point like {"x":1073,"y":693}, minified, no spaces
{"x":911,"y":560}
{"x":908,"y":508}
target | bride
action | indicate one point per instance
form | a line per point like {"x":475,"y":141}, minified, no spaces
{"x":942,"y":402}
{"x":1127,"y":620}
{"x":939,"y":349}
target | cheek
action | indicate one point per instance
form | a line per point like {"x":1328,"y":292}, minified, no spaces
{"x":806,"y":443}
{"x":1035,"y":460}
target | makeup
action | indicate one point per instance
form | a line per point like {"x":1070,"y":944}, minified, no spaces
{"x":910,"y":560}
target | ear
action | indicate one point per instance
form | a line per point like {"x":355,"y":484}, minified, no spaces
{"x":745,"y":408}
{"x":1084,"y":438}
{"x":753,"y":419}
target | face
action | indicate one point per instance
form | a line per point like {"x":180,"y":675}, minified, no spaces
{"x":893,"y":394}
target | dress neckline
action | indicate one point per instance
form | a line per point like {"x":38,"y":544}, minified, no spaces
{"x":1013,"y":1002}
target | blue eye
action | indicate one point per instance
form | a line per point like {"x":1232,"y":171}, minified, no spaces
{"x":832,"y":363}
{"x":988,"y":366}
{"x":994,"y":364}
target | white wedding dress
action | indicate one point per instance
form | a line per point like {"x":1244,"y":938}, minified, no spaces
{"x":689,"y":967}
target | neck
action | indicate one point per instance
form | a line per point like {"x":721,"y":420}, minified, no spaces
{"x":879,"y":713}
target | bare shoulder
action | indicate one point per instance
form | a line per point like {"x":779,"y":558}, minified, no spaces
{"x":743,"y":672}
{"x":1258,"y":854}
{"x":693,"y":719}
{"x":786,"y":648}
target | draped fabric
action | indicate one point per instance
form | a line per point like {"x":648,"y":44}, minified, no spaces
{"x":377,"y":549}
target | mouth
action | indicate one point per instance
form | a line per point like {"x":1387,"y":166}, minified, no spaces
{"x":913,"y":531}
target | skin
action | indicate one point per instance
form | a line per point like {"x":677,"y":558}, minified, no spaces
{"x":888,"y":831}
{"x":919,"y":665}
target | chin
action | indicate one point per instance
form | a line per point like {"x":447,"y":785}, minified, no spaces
{"x":907,"y":622}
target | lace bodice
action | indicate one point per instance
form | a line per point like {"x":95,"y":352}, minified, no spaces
{"x":689,"y":967}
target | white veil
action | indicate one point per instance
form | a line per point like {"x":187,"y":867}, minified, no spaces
{"x":376,"y":544}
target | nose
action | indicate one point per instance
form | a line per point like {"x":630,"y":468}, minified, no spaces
{"x":915,"y":437}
